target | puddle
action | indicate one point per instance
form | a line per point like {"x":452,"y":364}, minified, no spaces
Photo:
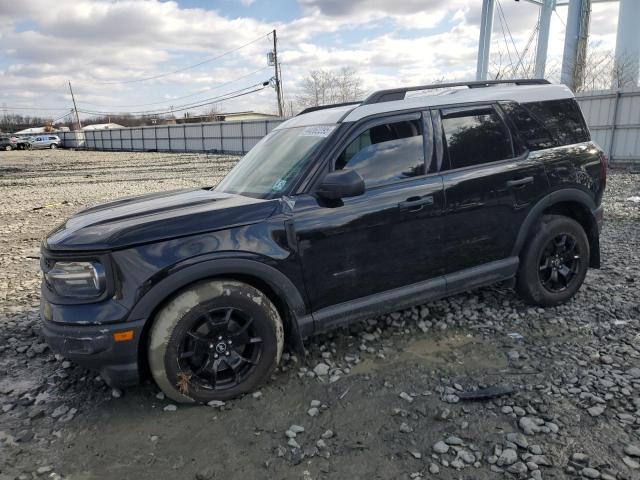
{"x":458,"y":352}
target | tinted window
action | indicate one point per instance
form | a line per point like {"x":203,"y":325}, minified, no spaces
{"x":474,"y":137}
{"x":385,"y":153}
{"x":531,"y":131}
{"x":562,"y":118}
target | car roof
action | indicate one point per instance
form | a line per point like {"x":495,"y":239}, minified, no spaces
{"x":521,"y":91}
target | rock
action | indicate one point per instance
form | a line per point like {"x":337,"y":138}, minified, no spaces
{"x":466,"y":456}
{"x":321,"y":369}
{"x":517,"y":468}
{"x":24,"y":435}
{"x":441,"y":447}
{"x":508,"y":457}
{"x":632,"y":450}
{"x":590,"y":473}
{"x":528,"y":425}
{"x":540,"y":460}
{"x":596,"y":410}
{"x":633,"y":372}
{"x":631,"y":463}
{"x":406,"y":396}
{"x":313,"y":412}
{"x":315,"y":403}
{"x":518,"y":439}
{"x":453,"y":440}
{"x":327,"y":434}
{"x":296,"y":428}
{"x":160,"y":395}
{"x":292,"y":443}
{"x":43,"y":470}
{"x":61,"y":410}
{"x":170,"y":408}
{"x":216,"y":403}
{"x":207,"y":473}
{"x":256,"y":395}
{"x":434,"y":468}
{"x":580,"y":457}
{"x":116,"y":392}
{"x":404,"y":428}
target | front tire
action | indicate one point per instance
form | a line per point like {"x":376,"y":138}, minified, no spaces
{"x":216,"y":340}
{"x":7,"y":148}
{"x":554,"y":262}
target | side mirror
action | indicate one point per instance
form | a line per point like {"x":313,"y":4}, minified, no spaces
{"x":341,"y":184}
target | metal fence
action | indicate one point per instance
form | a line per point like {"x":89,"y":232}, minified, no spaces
{"x":218,"y":137}
{"x":612,"y":116}
{"x":614,"y":120}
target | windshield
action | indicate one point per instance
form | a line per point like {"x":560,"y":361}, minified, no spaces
{"x":270,"y":167}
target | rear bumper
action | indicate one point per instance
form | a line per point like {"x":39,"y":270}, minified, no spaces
{"x":94,"y":347}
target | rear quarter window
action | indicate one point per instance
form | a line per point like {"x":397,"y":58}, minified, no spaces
{"x":562,"y":118}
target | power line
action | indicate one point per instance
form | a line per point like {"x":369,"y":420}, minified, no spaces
{"x":238,"y":93}
{"x":189,"y":67}
{"x":37,"y":108}
{"x":168,"y":100}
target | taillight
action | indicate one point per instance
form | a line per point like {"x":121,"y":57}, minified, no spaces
{"x":604,"y":163}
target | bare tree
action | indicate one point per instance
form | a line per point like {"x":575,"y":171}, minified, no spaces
{"x":324,"y":87}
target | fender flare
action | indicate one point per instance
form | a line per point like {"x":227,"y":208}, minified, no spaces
{"x":300,"y":324}
{"x":564,"y":195}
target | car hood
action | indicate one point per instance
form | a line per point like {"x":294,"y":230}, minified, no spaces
{"x":157,"y":216}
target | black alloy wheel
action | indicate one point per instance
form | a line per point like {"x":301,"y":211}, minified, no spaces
{"x":559,"y":263}
{"x":214,"y":340}
{"x":221,"y":349}
{"x":554,"y":261}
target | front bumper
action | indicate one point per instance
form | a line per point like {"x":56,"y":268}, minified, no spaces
{"x":94,"y":347}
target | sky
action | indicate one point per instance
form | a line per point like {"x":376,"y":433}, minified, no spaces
{"x":119,"y":55}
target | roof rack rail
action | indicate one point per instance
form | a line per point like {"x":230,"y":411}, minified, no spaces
{"x":400,"y":93}
{"x":322,"y":107}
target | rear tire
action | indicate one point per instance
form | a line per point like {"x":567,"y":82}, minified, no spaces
{"x":214,"y":341}
{"x":7,"y":148}
{"x":53,"y":146}
{"x":554,"y":262}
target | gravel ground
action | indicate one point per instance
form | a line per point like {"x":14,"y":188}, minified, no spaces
{"x":382,"y":399}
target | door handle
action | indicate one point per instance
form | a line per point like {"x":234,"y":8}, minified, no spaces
{"x":519,"y":182}
{"x":416,"y":203}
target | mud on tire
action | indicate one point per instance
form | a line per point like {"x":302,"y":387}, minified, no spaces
{"x":215,"y":340}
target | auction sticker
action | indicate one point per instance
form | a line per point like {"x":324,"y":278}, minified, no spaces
{"x":318,"y":131}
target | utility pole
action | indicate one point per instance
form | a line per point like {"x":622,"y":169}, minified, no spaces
{"x":484,"y":45}
{"x":546,"y":10}
{"x":575,"y":43}
{"x":627,"y":45}
{"x":277,"y":71}
{"x":75,"y":108}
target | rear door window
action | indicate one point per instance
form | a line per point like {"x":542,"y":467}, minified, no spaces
{"x":386,"y":153}
{"x":562,"y":118}
{"x":531,"y":131}
{"x":475,"y":136}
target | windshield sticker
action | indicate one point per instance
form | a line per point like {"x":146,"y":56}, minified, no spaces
{"x":279,"y":185}
{"x":317,"y":131}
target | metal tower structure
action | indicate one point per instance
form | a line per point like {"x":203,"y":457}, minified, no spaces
{"x":576,"y":36}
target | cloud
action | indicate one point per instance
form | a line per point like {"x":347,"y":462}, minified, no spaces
{"x":91,"y":42}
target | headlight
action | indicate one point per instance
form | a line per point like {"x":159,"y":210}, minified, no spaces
{"x":77,"y":279}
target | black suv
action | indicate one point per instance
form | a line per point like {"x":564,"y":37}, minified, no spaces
{"x":341,"y":213}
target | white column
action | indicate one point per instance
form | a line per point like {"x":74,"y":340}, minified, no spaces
{"x":628,"y":43}
{"x":484,"y":46}
{"x":543,"y":36}
{"x":575,"y":40}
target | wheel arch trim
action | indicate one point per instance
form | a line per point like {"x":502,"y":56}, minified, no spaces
{"x":300,"y":324}
{"x":558,"y":196}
